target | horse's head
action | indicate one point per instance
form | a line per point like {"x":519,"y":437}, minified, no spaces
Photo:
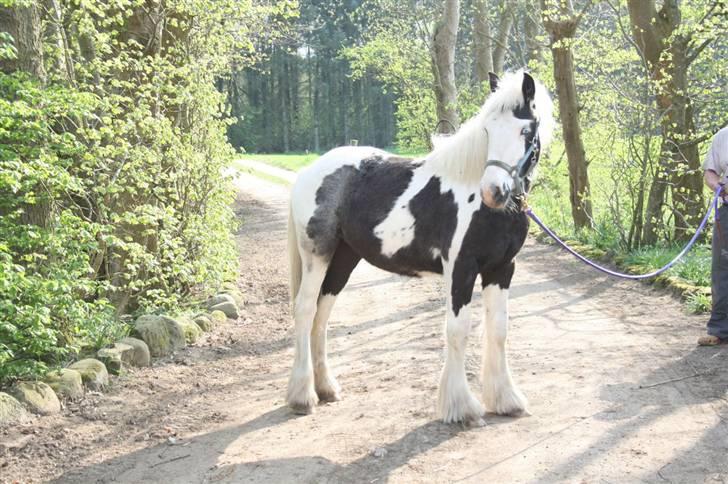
{"x":518,"y":122}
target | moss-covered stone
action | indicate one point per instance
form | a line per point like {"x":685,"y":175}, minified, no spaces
{"x":37,"y":397}
{"x":203,"y":322}
{"x":140,"y":356}
{"x":67,"y":383}
{"x":219,"y":299}
{"x":93,"y":373}
{"x":217,"y":317}
{"x":163,"y":335}
{"x":235,"y":293}
{"x":228,"y":308}
{"x":191,"y":330}
{"x":11,"y":411}
{"x":116,"y":357}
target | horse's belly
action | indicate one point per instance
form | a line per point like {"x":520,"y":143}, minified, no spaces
{"x":408,"y":261}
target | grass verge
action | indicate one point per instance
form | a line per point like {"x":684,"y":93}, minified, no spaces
{"x":689,"y":279}
{"x":262,"y":175}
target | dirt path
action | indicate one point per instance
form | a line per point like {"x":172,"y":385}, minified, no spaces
{"x":618,"y":390}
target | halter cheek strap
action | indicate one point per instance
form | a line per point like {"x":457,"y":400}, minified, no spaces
{"x":515,"y":172}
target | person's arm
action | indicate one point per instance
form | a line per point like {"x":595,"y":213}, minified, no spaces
{"x":712,"y":180}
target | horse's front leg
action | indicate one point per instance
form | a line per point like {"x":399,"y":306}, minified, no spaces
{"x":500,"y":394}
{"x":456,"y":403}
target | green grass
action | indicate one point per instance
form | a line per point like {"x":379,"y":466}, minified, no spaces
{"x":694,"y":268}
{"x":294,"y":161}
{"x":262,"y":175}
{"x":287,"y":161}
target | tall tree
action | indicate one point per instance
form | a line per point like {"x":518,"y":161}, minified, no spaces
{"x":23,"y":22}
{"x":483,"y":49}
{"x":505,"y":23}
{"x":443,"y":64}
{"x":561,"y":23}
{"x":667,"y":52}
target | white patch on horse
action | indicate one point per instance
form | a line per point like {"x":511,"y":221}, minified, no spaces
{"x":500,"y":394}
{"x":397,"y":231}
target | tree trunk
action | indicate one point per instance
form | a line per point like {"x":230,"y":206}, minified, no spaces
{"x":23,"y":23}
{"x":501,"y":41}
{"x":316,"y":111}
{"x":483,"y":49}
{"x":285,"y":102}
{"x":561,"y":27}
{"x":443,"y":64}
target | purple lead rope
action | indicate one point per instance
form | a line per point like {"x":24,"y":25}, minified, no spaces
{"x":713,"y":206}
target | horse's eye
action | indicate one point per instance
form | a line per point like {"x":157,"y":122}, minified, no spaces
{"x":525,"y":131}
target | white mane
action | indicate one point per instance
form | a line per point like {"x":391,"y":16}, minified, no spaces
{"x":462,"y":156}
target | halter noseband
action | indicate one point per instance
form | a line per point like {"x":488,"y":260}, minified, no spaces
{"x":520,"y":172}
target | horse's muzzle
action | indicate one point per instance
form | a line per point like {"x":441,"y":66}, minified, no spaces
{"x":495,"y":196}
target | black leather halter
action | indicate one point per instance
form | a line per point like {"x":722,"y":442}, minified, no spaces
{"x":523,"y":168}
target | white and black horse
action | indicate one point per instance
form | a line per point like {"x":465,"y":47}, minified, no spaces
{"x":456,"y":213}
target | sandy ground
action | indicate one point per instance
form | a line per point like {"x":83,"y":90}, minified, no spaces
{"x":617,"y":388}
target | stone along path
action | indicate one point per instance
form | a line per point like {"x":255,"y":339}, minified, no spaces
{"x":618,"y":391}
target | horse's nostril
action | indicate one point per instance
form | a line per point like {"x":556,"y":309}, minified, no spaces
{"x":500,"y":194}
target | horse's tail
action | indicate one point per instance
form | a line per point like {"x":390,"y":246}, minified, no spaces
{"x":294,"y":260}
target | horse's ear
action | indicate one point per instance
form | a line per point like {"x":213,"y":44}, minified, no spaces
{"x":494,"y":80}
{"x":528,"y":87}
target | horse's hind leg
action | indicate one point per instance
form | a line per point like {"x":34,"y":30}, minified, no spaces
{"x":301,"y":396}
{"x":337,"y":275}
{"x":500,"y":394}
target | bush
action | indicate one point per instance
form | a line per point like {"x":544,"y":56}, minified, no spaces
{"x":113,"y":197}
{"x":49,"y":306}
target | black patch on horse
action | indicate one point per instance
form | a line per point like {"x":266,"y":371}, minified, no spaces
{"x":340,"y":268}
{"x":435,"y":216}
{"x":377,"y":187}
{"x":491,"y":242}
{"x":323,"y":227}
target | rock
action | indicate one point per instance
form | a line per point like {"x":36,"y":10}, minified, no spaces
{"x":219,"y":299}
{"x":66,"y":383}
{"x":203,"y":322}
{"x":191,"y":330}
{"x":229,"y":308}
{"x":163,"y":335}
{"x":217,"y":317}
{"x":140,"y":356}
{"x":93,"y":373}
{"x":11,"y":410}
{"x":232,"y":290}
{"x":37,"y":397}
{"x":116,"y":357}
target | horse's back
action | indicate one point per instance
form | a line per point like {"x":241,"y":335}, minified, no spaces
{"x":320,"y":188}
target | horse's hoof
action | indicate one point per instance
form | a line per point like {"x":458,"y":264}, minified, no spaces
{"x":516,"y":413}
{"x":326,"y":396}
{"x":507,"y":401}
{"x":475,"y":423}
{"x":301,"y":408}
